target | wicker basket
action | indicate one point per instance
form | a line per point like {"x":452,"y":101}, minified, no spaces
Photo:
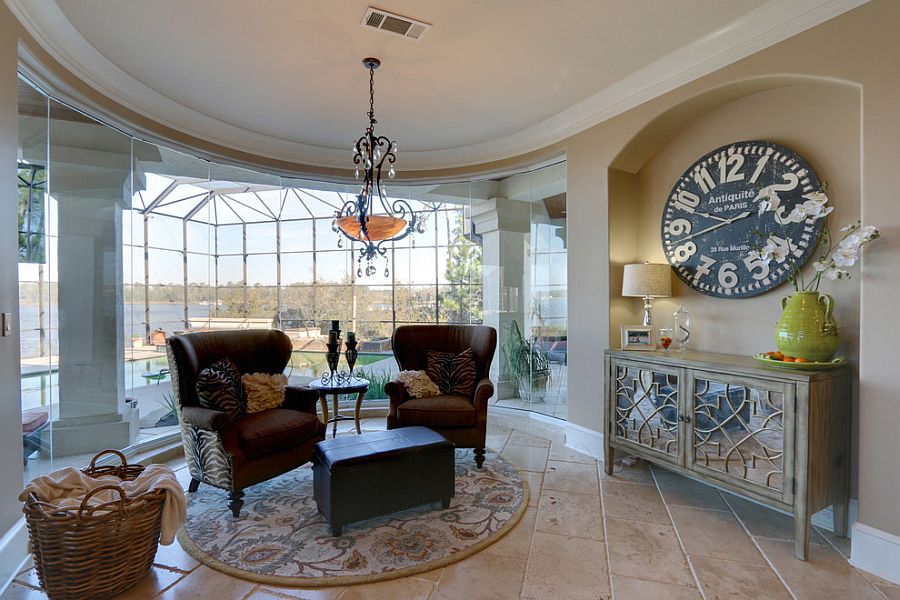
{"x":95,"y":551}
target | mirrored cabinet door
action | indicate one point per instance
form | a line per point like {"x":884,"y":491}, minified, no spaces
{"x":646,"y":408}
{"x":741,"y":431}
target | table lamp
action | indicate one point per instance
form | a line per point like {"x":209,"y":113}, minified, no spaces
{"x":647,"y":280}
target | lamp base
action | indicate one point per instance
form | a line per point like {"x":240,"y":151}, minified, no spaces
{"x":648,"y":305}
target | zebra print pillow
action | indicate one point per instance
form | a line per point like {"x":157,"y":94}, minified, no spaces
{"x":453,"y":373}
{"x":219,"y":388}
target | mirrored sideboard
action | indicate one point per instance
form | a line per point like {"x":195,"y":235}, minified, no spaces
{"x":777,"y":436}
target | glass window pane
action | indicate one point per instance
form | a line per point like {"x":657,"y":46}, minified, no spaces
{"x":334,"y":267}
{"x":165,"y":267}
{"x":296,"y":236}
{"x":229,"y":239}
{"x":200,"y":269}
{"x":199,"y":237}
{"x":334,"y":302}
{"x":326,"y":238}
{"x":416,"y":304}
{"x":296,"y":268}
{"x":261,"y":237}
{"x":415,"y":266}
{"x":262,"y":302}
{"x":165,"y":232}
{"x":229,"y":270}
{"x":261,"y":269}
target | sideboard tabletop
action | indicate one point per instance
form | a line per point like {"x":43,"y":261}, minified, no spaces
{"x":734,"y":363}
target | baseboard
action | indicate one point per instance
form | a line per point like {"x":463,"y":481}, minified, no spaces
{"x":824,"y":519}
{"x":13,"y":553}
{"x":876,"y":551}
{"x":584,"y":440}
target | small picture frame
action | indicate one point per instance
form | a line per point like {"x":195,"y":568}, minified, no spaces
{"x":638,"y":337}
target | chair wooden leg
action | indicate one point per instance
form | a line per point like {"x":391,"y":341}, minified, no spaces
{"x":236,"y":502}
{"x":194,"y":485}
{"x":479,"y":457}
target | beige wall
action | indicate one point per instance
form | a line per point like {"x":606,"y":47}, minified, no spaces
{"x":10,"y":408}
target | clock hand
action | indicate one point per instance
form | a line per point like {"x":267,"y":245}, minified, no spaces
{"x":709,"y":216}
{"x":743,"y":215}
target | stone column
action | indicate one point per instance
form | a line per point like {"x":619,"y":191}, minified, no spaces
{"x":91,"y":188}
{"x":504,"y":225}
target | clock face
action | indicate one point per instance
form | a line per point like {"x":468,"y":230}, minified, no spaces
{"x":711,"y":221}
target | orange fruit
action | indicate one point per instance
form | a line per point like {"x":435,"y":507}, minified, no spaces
{"x":800,"y":359}
{"x":778,"y":355}
{"x":789,"y":359}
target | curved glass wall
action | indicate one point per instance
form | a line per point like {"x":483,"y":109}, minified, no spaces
{"x":124,"y":242}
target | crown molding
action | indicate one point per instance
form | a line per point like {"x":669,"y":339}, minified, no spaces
{"x":762,"y":27}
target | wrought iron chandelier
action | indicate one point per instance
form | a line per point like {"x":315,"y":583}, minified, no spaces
{"x":395,"y":218}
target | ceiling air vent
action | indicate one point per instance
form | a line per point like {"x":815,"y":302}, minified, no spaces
{"x":375,"y":18}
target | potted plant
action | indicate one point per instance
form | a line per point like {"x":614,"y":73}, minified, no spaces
{"x":137,"y":340}
{"x":807,"y":330}
{"x":528,"y":363}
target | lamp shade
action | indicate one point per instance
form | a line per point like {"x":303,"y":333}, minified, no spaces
{"x":647,"y":280}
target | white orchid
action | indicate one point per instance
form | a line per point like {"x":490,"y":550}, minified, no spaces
{"x":771,"y":251}
{"x":836,"y":274}
{"x":814,"y":207}
{"x":845,"y":256}
{"x":768,"y":199}
{"x":817,"y":197}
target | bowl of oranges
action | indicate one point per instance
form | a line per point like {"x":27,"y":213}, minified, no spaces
{"x":779,"y":359}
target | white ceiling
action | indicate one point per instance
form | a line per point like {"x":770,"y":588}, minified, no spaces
{"x":282,"y":78}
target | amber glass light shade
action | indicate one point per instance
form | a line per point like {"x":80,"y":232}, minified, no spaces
{"x":380,"y":227}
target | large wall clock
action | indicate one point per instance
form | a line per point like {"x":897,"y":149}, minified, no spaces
{"x":711,"y":221}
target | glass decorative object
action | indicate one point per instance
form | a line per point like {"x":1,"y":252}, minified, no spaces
{"x":681,"y":323}
{"x":665,"y":338}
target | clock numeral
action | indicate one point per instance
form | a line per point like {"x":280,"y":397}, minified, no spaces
{"x":727,"y":275}
{"x":753,"y":264}
{"x":728,"y":175}
{"x":759,"y":168}
{"x":684,"y":252}
{"x":704,"y":180}
{"x":704,"y":269}
{"x":687,"y":201}
{"x":790,"y":182}
{"x":679,"y":227}
{"x":781,"y":216}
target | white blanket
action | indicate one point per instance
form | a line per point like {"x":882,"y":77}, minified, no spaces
{"x":67,"y":487}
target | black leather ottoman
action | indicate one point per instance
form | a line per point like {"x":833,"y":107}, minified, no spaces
{"x":362,"y":476}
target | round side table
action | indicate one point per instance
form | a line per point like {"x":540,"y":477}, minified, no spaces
{"x":354,"y":385}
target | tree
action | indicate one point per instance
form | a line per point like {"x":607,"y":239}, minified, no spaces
{"x":461,"y":301}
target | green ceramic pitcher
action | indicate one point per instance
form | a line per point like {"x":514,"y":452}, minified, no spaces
{"x":807,"y":328}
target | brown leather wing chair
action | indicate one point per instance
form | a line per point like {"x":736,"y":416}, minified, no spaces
{"x":461,"y":420}
{"x":233,"y":455}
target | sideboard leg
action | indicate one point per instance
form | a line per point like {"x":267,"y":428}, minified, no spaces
{"x":609,"y":456}
{"x":841,"y":513}
{"x":801,"y":532}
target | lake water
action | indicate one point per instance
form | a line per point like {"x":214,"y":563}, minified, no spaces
{"x":169,"y":317}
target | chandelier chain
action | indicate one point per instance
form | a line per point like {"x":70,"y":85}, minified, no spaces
{"x":372,"y":120}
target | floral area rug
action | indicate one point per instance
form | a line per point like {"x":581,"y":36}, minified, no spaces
{"x":282,"y":539}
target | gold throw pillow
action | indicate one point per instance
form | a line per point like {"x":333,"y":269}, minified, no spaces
{"x":264,"y":391}
{"x":418,"y":384}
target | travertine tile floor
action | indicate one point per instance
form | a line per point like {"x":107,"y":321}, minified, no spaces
{"x":642,"y":533}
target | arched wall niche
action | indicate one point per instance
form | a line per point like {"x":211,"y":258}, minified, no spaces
{"x":818,"y":118}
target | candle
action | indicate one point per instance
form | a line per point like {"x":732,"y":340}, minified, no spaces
{"x":351,"y":336}
{"x":335,"y":325}
{"x":332,"y":337}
